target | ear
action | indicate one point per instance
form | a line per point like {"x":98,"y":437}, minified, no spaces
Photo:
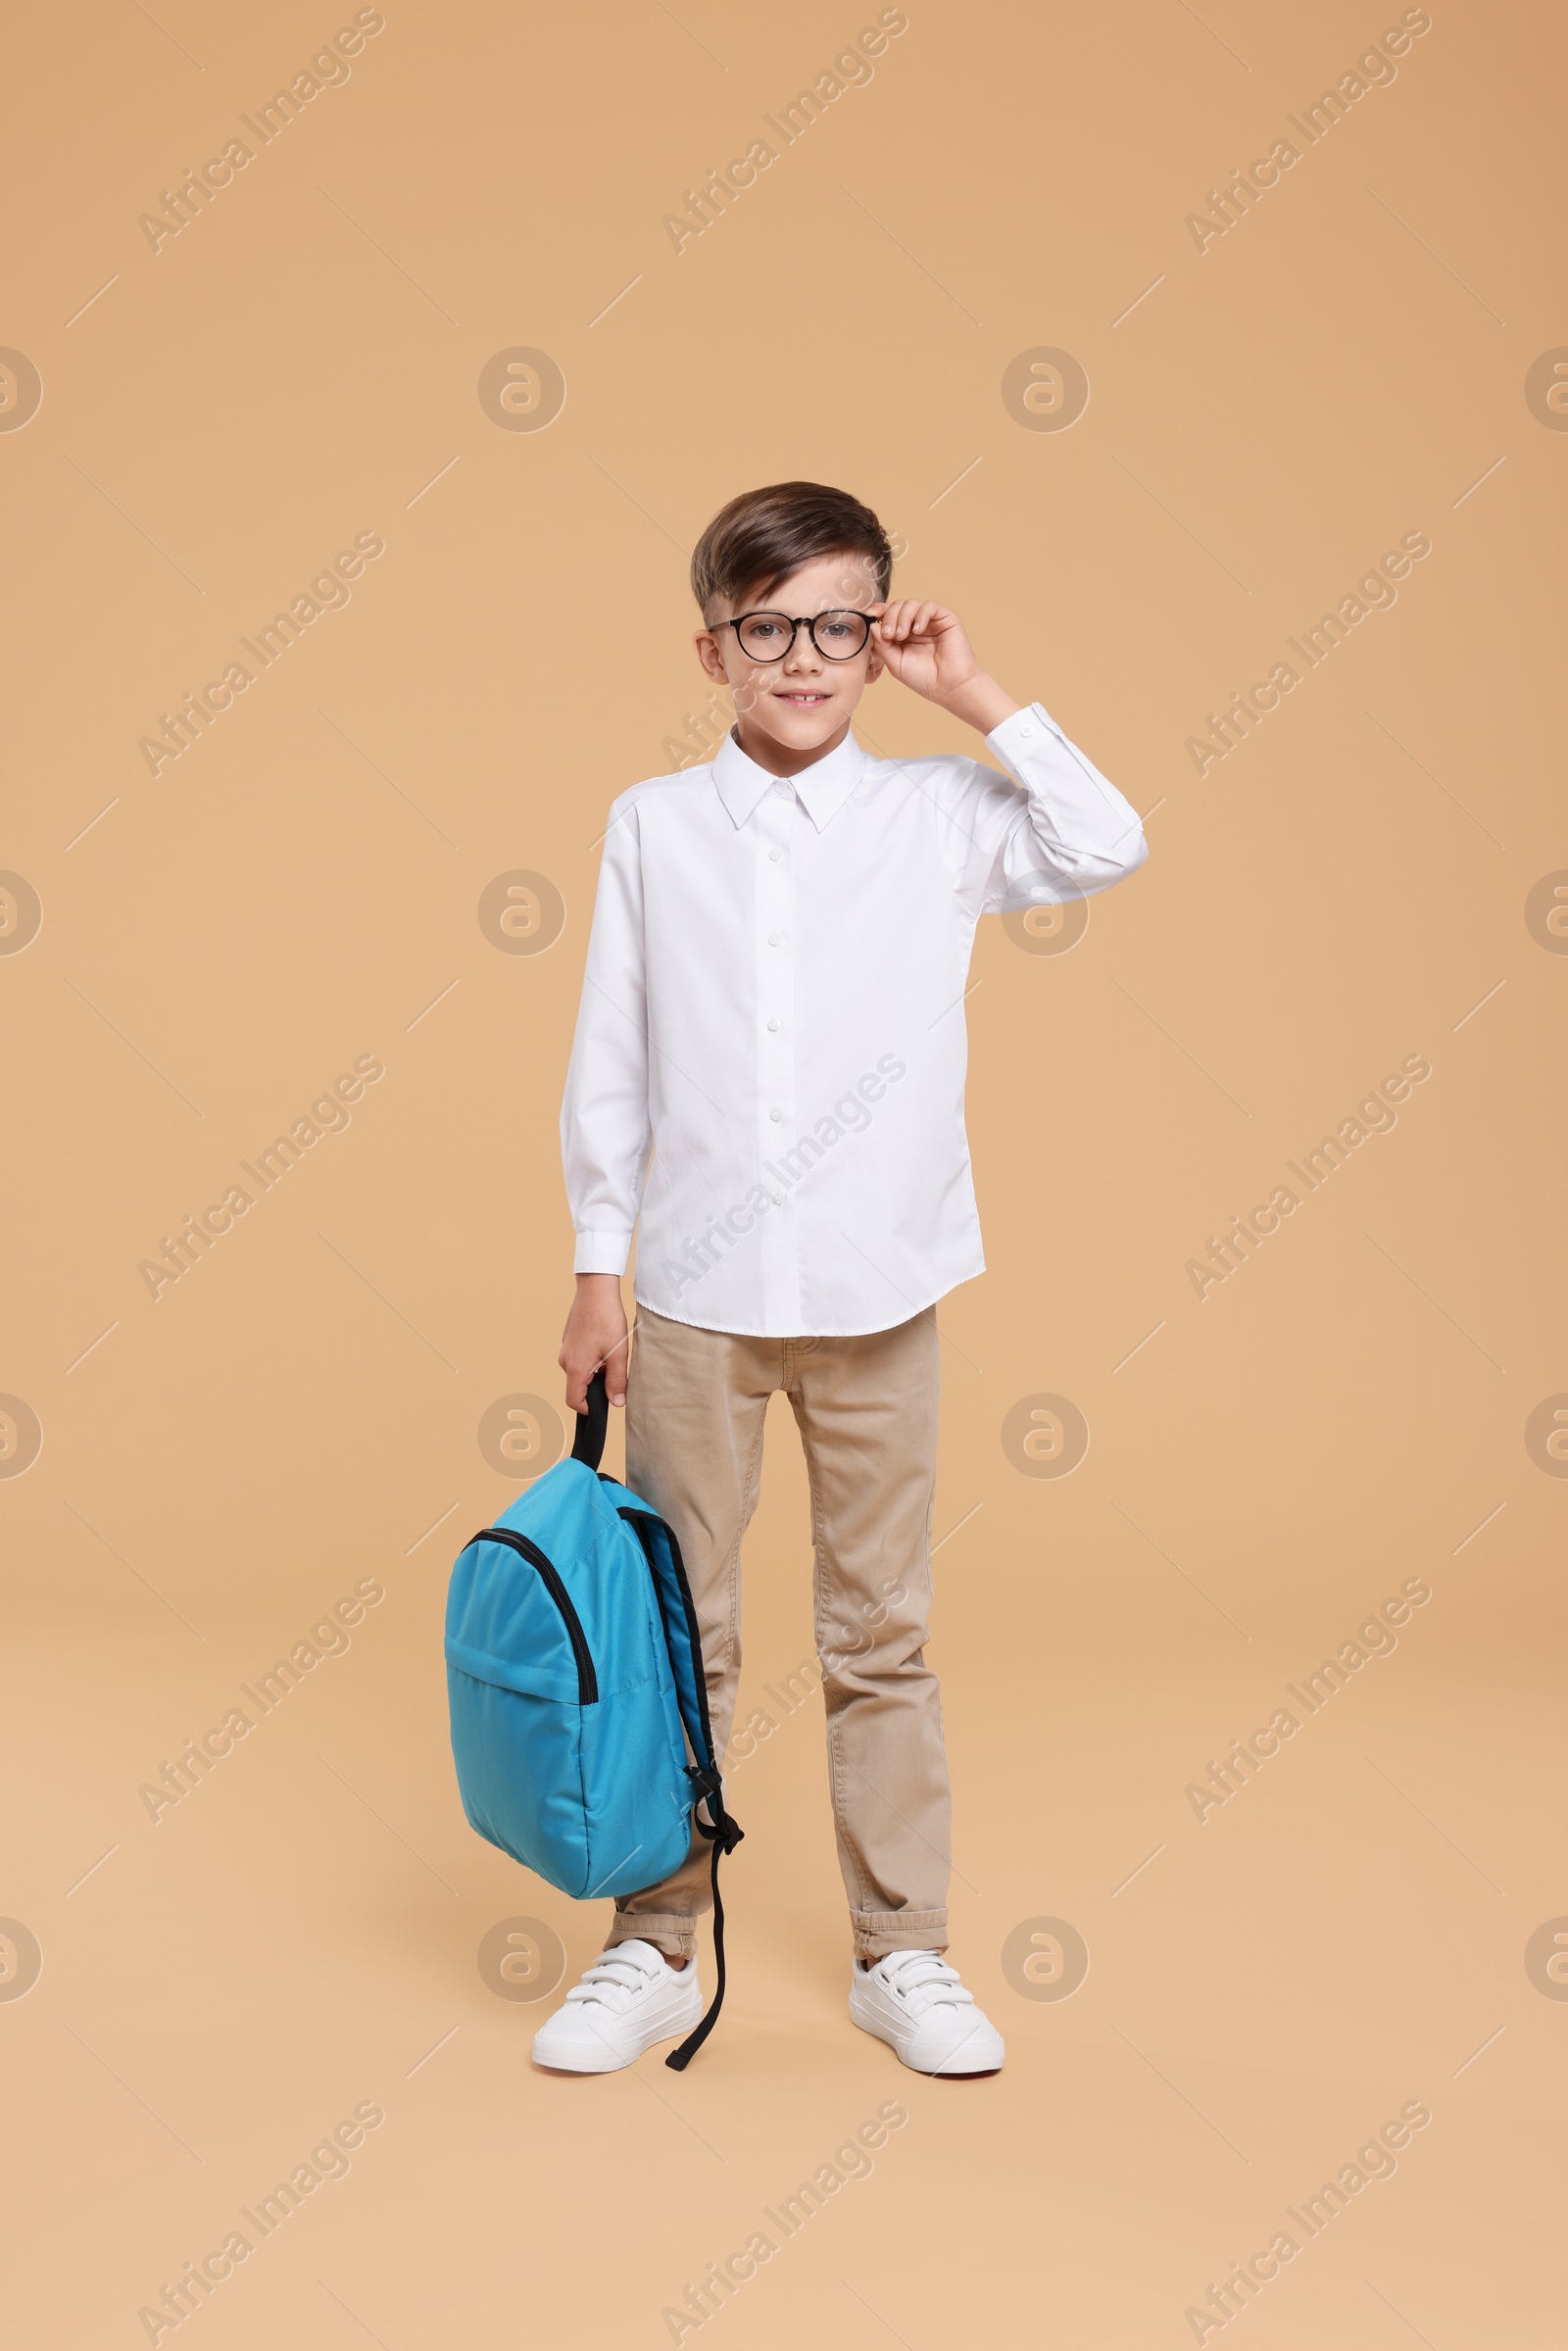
{"x":711,"y":656}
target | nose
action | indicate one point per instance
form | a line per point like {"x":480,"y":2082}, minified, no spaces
{"x":802,"y":655}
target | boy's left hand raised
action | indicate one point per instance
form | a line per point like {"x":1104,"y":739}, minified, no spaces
{"x":926,"y":648}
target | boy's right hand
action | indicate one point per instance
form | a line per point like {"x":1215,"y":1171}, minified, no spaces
{"x":595,"y":1336}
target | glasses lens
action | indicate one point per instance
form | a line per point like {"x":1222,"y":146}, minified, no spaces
{"x":765,"y":636}
{"x":840,"y":636}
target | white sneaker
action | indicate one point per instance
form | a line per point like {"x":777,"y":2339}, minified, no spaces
{"x":914,"y":2003}
{"x":628,"y":1999}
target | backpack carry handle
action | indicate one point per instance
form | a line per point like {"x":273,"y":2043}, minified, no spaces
{"x":588,"y":1445}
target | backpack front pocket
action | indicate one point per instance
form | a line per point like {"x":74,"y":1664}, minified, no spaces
{"x":501,"y":1640}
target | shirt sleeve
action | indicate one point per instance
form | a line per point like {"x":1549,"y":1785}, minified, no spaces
{"x":605,"y":1127}
{"x":1051,"y":828}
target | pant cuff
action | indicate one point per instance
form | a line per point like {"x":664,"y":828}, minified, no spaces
{"x":667,"y":1931}
{"x":879,"y":1932}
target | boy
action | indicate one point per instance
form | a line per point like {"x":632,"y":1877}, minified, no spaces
{"x":769,"y":1068}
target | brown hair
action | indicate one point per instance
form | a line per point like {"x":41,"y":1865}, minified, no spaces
{"x":763,"y":536}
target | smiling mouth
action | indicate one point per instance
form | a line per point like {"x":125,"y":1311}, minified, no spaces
{"x":802,"y":700}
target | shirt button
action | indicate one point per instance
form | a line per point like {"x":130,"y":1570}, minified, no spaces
{"x":775,"y":1117}
{"x":772,"y":937}
{"x":773,"y":1025}
{"x":773,"y":855}
{"x":1026,"y":728}
{"x":778,"y":1200}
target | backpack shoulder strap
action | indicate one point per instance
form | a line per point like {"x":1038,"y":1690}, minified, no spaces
{"x":683,"y":1639}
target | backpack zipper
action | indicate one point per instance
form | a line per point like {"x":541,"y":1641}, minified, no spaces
{"x":587,"y":1678}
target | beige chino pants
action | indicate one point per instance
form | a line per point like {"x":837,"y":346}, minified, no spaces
{"x":866,"y":1407}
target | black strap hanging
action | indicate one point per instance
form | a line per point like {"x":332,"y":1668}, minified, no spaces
{"x":724,"y":1835}
{"x":678,"y":1614}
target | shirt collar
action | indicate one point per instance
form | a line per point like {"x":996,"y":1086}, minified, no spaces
{"x":822,"y":789}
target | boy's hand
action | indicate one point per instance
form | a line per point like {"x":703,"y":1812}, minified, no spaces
{"x":595,"y":1336}
{"x":925,"y":647}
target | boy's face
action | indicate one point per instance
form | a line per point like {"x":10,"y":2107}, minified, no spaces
{"x":802,"y":703}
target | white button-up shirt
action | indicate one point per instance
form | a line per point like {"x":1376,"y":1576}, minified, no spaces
{"x":770,"y":1053}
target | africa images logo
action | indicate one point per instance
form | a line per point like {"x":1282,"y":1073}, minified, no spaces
{"x":329,"y":1114}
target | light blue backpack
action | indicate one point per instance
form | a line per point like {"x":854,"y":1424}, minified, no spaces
{"x":579,"y":1709}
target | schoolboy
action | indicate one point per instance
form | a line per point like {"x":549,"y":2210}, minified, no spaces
{"x":768,"y":1073}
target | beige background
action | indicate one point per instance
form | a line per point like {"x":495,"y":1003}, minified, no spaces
{"x":300,"y":365}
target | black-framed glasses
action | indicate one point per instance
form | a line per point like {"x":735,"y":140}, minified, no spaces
{"x":770,"y":636}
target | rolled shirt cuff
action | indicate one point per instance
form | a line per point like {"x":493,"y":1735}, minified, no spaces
{"x":605,"y":1249}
